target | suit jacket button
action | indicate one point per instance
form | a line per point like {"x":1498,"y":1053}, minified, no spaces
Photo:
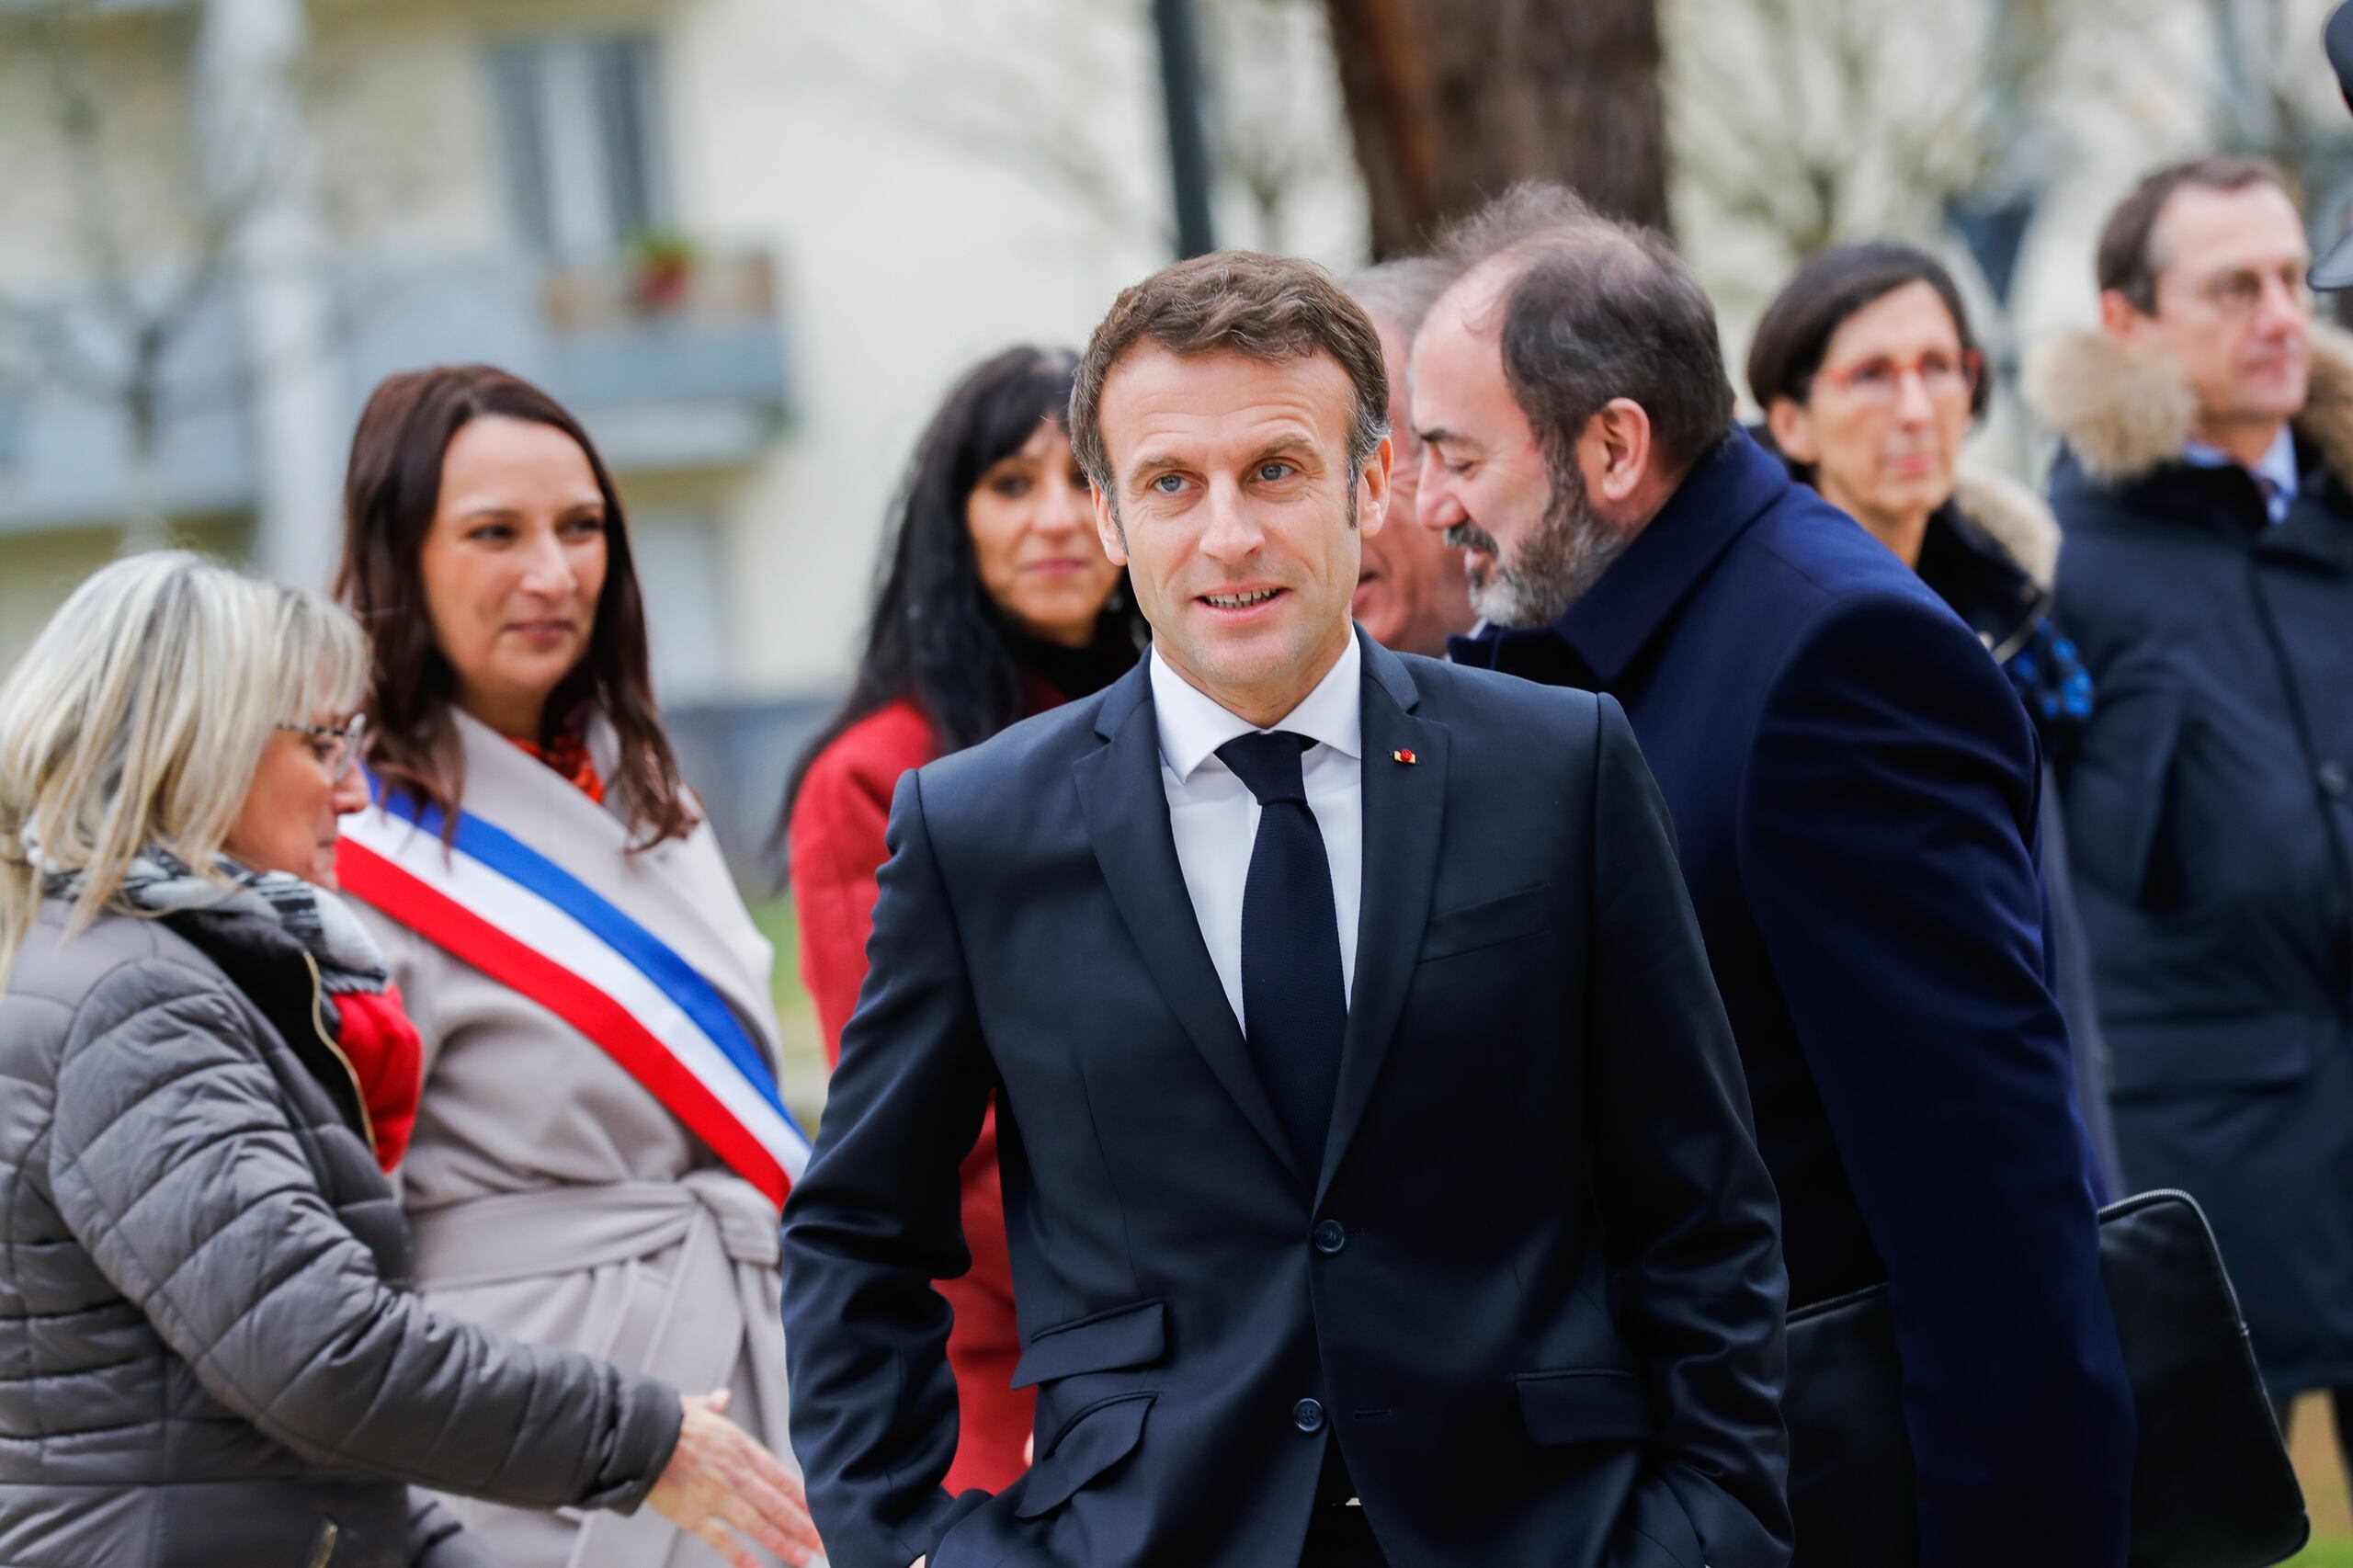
{"x":1308,"y":1415}
{"x":1331,"y":1236}
{"x":2334,"y":780}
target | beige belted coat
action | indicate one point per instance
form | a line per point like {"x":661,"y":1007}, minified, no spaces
{"x":557,"y":1200}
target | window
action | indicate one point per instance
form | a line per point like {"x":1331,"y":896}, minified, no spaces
{"x":682,"y":576}
{"x":580,"y":116}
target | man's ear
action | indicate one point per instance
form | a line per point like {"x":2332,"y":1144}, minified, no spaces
{"x":1615,"y":450}
{"x":2121,"y":318}
{"x":1107,"y":526}
{"x":1373,"y":489}
{"x":1792,"y":429}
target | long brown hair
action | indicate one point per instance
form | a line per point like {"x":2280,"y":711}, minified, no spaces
{"x":390,"y":494}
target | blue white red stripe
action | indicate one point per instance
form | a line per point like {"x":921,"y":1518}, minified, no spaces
{"x":525,"y":921}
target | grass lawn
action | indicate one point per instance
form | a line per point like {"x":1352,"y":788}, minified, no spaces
{"x":2313,"y":1445}
{"x":804,"y":1090}
{"x":803,"y":1078}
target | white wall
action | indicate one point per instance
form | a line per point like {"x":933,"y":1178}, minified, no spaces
{"x":906,"y":258}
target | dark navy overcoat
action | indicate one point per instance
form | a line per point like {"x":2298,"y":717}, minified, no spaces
{"x":1856,"y":790}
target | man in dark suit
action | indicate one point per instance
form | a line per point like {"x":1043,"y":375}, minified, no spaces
{"x":1378,"y":1175}
{"x":1854,"y":786}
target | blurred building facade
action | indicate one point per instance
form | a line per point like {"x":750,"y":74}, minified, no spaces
{"x":737,"y":237}
{"x":750,"y":243}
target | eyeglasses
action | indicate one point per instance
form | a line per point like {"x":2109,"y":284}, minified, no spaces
{"x":343,"y":746}
{"x":1881,"y":380}
{"x":2236,"y":294}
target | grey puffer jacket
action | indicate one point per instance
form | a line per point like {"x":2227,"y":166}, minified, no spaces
{"x":208,"y":1352}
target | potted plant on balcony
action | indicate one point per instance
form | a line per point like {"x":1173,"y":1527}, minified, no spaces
{"x":661,"y":265}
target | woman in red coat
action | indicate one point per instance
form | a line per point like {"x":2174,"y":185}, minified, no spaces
{"x":997,"y":603}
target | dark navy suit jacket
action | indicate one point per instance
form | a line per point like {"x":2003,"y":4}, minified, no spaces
{"x":1534,"y":1292}
{"x":1856,"y":791}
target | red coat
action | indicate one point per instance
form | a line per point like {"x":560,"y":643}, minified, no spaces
{"x":836,"y":844}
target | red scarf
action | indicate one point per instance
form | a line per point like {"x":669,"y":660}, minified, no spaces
{"x":568,"y":755}
{"x":388,"y":1059}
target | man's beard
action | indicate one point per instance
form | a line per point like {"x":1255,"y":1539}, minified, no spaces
{"x":1535,"y":585}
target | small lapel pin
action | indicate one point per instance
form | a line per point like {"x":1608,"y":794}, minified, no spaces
{"x":1404,"y":756}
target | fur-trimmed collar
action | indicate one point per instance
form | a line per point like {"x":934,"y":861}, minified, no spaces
{"x":2014,"y":517}
{"x":2124,"y":411}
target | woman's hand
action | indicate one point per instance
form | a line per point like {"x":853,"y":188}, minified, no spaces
{"x":719,"y":1476}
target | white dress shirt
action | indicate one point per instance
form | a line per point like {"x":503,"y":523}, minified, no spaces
{"x":1215,"y":817}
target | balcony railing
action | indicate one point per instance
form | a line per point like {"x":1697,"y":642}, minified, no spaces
{"x":671,"y":368}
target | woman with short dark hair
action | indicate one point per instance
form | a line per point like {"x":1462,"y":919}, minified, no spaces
{"x":996,"y":601}
{"x":601,"y":1154}
{"x":1869,"y":378}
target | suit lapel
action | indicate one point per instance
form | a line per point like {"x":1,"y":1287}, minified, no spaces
{"x":1405,"y":809}
{"x":1126,"y":809}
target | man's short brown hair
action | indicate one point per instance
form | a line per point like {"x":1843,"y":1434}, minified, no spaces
{"x":2128,"y":262}
{"x":1597,"y":309}
{"x":1269,"y":308}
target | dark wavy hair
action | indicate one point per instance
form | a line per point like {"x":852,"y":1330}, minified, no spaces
{"x":389,"y":493}
{"x":936,"y":633}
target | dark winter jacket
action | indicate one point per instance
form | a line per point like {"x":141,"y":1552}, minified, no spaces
{"x":2211,"y":822}
{"x":208,"y":1352}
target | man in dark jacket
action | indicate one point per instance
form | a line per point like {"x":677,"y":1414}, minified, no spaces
{"x":2208,"y":577}
{"x":1855,"y":790}
{"x":1461,"y":1255}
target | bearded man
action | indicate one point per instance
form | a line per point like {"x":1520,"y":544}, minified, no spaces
{"x":1855,"y":789}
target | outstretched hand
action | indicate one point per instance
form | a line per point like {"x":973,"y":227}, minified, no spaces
{"x":721,"y":1483}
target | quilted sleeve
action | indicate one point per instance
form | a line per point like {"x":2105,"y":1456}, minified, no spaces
{"x":176,"y":1164}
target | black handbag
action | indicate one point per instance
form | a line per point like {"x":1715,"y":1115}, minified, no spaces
{"x":2211,"y":1484}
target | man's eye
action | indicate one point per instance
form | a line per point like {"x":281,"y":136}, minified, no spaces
{"x":1169,"y":484}
{"x":1274,"y":473}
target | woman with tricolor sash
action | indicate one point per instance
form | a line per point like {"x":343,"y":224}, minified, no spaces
{"x":601,"y":1154}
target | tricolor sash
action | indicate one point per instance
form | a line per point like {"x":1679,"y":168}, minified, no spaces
{"x":502,"y":907}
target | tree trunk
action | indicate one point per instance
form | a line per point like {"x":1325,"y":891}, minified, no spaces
{"x":1452,"y":100}
{"x":144,"y":524}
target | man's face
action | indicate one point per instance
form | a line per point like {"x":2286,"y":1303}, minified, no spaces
{"x":1236,"y":517}
{"x":1530,"y":546}
{"x":1412,"y":593}
{"x":2231,"y":305}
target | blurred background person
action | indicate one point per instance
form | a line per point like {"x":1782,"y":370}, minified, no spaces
{"x":600,"y":1155}
{"x":1411,"y":592}
{"x":1869,"y":378}
{"x":2208,"y":577}
{"x":217,"y":1358}
{"x":996,"y":601}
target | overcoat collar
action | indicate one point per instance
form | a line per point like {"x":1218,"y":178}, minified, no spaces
{"x":1126,"y":810}
{"x":1610,"y":625}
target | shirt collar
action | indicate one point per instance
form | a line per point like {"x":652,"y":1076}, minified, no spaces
{"x":2276,"y":468}
{"x":1193,"y":724}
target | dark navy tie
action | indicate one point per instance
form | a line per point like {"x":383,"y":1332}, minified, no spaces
{"x":1294,"y":1000}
